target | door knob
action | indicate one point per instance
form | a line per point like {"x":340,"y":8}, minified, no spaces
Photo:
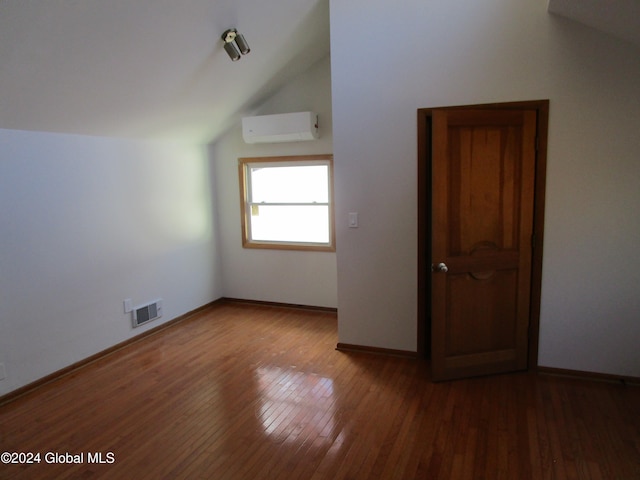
{"x":441,"y":267}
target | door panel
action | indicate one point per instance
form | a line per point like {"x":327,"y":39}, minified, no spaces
{"x":483,"y":170}
{"x":476,"y":325}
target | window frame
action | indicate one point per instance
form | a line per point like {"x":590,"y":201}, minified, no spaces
{"x":243,"y":168}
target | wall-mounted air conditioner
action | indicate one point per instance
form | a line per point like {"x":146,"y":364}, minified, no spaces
{"x":283,"y":127}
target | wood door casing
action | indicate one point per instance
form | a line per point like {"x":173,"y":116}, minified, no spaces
{"x":483,"y":170}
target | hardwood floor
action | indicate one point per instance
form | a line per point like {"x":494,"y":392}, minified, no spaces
{"x":257,"y":392}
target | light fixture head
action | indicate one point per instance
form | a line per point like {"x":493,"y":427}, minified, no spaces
{"x":242,"y":44}
{"x":232,"y":51}
{"x":235,"y":44}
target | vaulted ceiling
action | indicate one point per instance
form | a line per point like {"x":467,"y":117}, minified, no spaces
{"x":148,"y":68}
{"x":154,"y":68}
{"x":620,"y":18}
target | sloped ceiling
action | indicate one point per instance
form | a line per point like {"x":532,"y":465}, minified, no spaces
{"x":156,"y":68}
{"x":620,"y":18}
{"x":149,"y":68}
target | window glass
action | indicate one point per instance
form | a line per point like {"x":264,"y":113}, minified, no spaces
{"x":295,"y":223}
{"x":291,"y":184}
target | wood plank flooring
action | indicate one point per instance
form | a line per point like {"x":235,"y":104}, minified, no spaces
{"x":257,"y":392}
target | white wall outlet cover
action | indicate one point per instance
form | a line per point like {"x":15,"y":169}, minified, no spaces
{"x":128,"y":305}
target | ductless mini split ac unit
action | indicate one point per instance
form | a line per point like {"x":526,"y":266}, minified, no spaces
{"x":283,"y":127}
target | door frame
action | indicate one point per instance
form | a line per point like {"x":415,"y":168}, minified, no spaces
{"x":424,"y":221}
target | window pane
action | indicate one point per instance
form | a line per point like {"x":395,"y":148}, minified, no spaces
{"x":290,"y":184}
{"x":290,"y":223}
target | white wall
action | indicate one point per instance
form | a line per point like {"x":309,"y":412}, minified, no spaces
{"x":307,"y":278}
{"x":87,"y":222}
{"x":404,"y":55}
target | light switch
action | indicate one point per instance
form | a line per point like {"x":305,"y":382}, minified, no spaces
{"x":353,"y":220}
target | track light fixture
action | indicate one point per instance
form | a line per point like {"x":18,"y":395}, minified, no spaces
{"x":235,"y":44}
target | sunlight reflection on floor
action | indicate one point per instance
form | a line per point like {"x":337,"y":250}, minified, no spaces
{"x":295,"y":405}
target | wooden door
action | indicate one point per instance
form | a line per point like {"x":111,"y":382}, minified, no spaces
{"x":483,"y":178}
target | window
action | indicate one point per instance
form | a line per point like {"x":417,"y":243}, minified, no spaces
{"x":287,"y":202}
